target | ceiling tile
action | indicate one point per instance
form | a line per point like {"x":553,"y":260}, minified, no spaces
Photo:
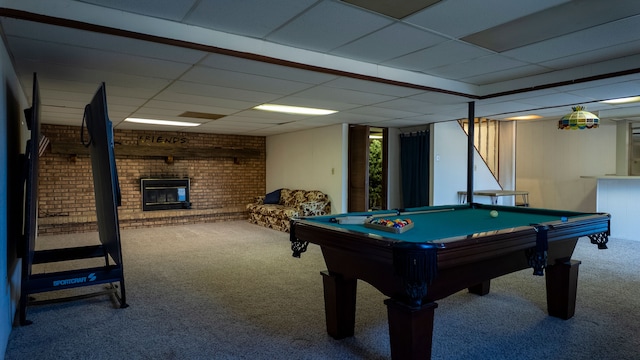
{"x":438,"y":55}
{"x":384,"y":45}
{"x":396,"y":9}
{"x":166,"y":9}
{"x":239,"y":120}
{"x":155,"y":79}
{"x":188,"y":99}
{"x":505,"y":75}
{"x":592,"y":39}
{"x":254,"y":18}
{"x":557,"y":99}
{"x":483,"y":65}
{"x":265,"y":69}
{"x":93,"y":40}
{"x":518,"y":33}
{"x":595,"y":55}
{"x":407,"y":105}
{"x":326,"y":26}
{"x":316,"y":102}
{"x":182,"y":103}
{"x":371,"y":87}
{"x":93,"y":59}
{"x":237,"y":80}
{"x":199,"y":89}
{"x":439,"y":98}
{"x":612,"y":91}
{"x":463,"y":17}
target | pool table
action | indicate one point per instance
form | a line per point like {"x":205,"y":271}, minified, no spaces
{"x":445,"y":250}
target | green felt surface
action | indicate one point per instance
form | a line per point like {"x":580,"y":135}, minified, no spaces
{"x":456,"y":221}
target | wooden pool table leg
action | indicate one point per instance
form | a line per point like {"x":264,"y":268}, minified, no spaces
{"x":339,"y":304}
{"x":410,"y":330}
{"x":562,"y":285}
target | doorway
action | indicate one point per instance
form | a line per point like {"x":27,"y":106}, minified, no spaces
{"x":368,"y":164}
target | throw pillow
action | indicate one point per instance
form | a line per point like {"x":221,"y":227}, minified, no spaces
{"x":272,"y":197}
{"x":313,"y":208}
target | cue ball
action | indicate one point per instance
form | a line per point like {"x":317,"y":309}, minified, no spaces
{"x":493,"y":213}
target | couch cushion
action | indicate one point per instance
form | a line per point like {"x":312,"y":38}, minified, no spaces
{"x":292,"y":198}
{"x":315,"y":195}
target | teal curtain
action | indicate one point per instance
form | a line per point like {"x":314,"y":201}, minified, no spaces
{"x":414,"y":168}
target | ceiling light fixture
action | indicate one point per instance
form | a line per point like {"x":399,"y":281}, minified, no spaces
{"x":525,"y":117}
{"x":161,"y":122}
{"x":622,"y":100}
{"x":294,"y":109}
{"x":579,"y":119}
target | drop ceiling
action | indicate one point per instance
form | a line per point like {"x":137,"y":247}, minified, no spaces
{"x":401,"y":64}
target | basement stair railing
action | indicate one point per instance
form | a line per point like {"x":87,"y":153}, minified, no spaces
{"x":486,"y":141}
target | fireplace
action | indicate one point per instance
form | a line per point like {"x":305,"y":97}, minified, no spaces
{"x":164,"y":194}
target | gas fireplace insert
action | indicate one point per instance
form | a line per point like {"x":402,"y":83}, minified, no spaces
{"x":165,"y":194}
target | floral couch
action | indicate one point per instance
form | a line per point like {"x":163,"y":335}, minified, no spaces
{"x":276,"y":209}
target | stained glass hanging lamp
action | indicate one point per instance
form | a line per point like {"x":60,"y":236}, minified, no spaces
{"x":579,"y":119}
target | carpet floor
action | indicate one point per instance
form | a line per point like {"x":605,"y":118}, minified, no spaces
{"x":233,"y":291}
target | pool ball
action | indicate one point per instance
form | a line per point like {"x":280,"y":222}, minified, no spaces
{"x":493,"y":213}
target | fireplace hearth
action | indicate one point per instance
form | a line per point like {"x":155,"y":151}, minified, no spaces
{"x":165,"y":194}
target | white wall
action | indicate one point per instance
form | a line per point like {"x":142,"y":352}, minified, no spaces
{"x":318,"y":159}
{"x":549,"y":163}
{"x":9,"y":268}
{"x":449,"y":159}
{"x":312,"y":160}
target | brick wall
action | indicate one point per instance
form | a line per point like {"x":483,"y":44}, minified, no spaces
{"x":220,"y":186}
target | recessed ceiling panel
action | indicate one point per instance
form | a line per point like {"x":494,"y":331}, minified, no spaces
{"x":463,"y":17}
{"x":563,"y":19}
{"x":394,"y":8}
